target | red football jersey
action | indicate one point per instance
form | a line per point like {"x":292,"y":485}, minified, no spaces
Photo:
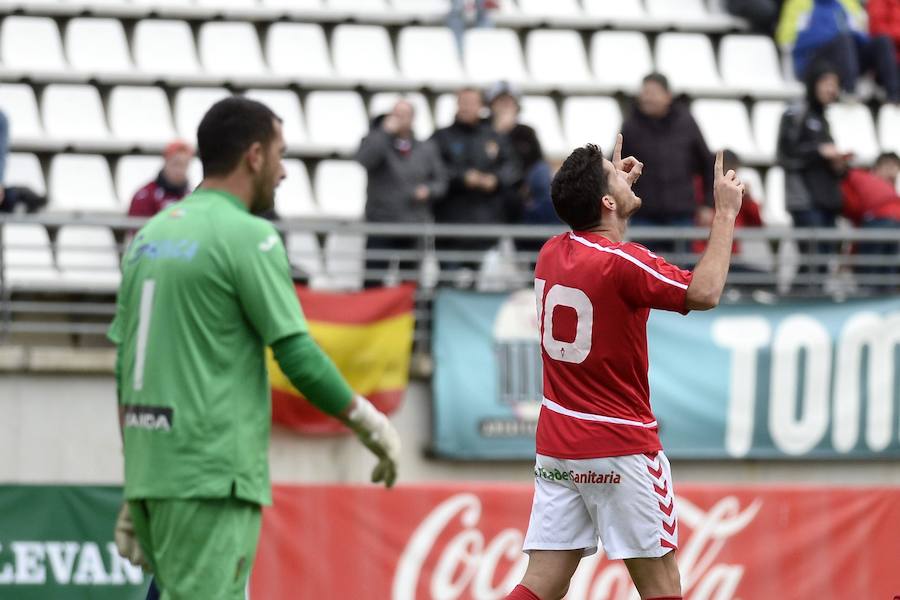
{"x":594,"y":297}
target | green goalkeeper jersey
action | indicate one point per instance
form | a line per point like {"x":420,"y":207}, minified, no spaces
{"x":205,"y":288}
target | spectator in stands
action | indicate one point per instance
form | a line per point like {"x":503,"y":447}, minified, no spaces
{"x":480,"y":170}
{"x":503,"y":100}
{"x":405,"y":176}
{"x":832,"y":31}
{"x":14,"y":198}
{"x":884,"y":20}
{"x":669,"y":142}
{"x":458,"y":19}
{"x":871,"y":201}
{"x":170,"y":185}
{"x":762,"y":14}
{"x":813,"y":165}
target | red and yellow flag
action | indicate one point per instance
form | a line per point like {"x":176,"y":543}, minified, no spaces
{"x":369,"y":337}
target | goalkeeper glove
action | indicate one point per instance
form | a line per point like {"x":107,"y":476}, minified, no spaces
{"x":377,"y":434}
{"x":126,"y":541}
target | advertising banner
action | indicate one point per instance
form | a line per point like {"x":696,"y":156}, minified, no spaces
{"x":459,"y":542}
{"x":815,"y":379}
{"x":369,"y":337}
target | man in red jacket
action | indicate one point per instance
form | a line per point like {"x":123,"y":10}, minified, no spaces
{"x":871,"y":201}
{"x":171,"y":185}
{"x":884,"y":19}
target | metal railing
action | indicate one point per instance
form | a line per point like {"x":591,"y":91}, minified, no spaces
{"x":328,"y":254}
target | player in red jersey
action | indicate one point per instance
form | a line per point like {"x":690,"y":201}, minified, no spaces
{"x":600,"y":471}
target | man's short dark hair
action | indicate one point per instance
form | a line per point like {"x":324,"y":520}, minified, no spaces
{"x":657,"y":78}
{"x":886,"y":156}
{"x":578,"y":186}
{"x":228,"y":129}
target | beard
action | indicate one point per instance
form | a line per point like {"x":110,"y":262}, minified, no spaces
{"x":263,"y":193}
{"x":627,"y":209}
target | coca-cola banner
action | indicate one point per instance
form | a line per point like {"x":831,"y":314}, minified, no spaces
{"x":455,"y":542}
{"x":811,"y":379}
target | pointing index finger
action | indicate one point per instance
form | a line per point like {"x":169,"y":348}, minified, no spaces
{"x":617,"y":151}
{"x":719,"y":160}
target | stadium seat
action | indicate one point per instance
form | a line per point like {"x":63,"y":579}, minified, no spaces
{"x":383,"y":102}
{"x":33,"y":45}
{"x":228,"y":4}
{"x":626,"y":14}
{"x":344,"y":261}
{"x":98,"y":47}
{"x":444,"y":110}
{"x":300,"y":51}
{"x":750,"y":65}
{"x":774,"y":210}
{"x":286,"y":105}
{"x":141,"y":116}
{"x":429,"y":54}
{"x":87,"y":257}
{"x":854,"y":131}
{"x":558,"y":11}
{"x":231,"y":50}
{"x":165,"y":49}
{"x":688,"y":61}
{"x":24,"y":169}
{"x":557,"y":58}
{"x":725,"y":125}
{"x":190,"y":106}
{"x":296,"y":7}
{"x":540,"y":112}
{"x":73,"y":115}
{"x":766,"y":117}
{"x":422,"y":10}
{"x":18,"y":102}
{"x":195,"y":171}
{"x":27,"y":256}
{"x":363,"y":53}
{"x":340,"y":189}
{"x":686,"y":14}
{"x":133,"y":173}
{"x":358,"y":7}
{"x":492,"y":55}
{"x":620,"y":74}
{"x":889,"y":128}
{"x":594,"y":120}
{"x":81,"y":183}
{"x":293,"y":197}
{"x":336,"y":120}
{"x":305,"y":254}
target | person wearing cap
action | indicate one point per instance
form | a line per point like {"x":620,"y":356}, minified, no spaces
{"x":170,"y":185}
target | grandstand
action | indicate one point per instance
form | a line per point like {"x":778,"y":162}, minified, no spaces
{"x":94,"y":90}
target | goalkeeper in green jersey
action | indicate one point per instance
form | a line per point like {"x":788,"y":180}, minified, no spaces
{"x":206,"y":286}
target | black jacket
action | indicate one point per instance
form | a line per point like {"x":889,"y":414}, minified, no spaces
{"x":394,"y":173}
{"x":463,"y":147}
{"x":673,"y":152}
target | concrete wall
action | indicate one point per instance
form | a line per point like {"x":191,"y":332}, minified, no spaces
{"x":62,"y":429}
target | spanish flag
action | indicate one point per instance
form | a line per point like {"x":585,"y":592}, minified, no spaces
{"x":369,"y":337}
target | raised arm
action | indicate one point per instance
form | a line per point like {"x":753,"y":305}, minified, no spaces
{"x":706,"y":287}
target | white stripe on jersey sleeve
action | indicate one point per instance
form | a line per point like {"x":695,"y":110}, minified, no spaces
{"x":629,"y":258}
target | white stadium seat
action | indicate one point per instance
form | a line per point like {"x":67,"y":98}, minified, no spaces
{"x":725,"y":125}
{"x":293,"y":197}
{"x":299,"y":50}
{"x":383,"y":102}
{"x":344,"y":261}
{"x":140,"y":115}
{"x":425,"y":10}
{"x":686,"y":14}
{"x":594,"y":120}
{"x":28,"y":258}
{"x":133,"y":173}
{"x":286,"y":105}
{"x":23,"y":169}
{"x":565,"y":10}
{"x":688,"y":61}
{"x":73,"y":114}
{"x":625,"y":13}
{"x":32,"y":45}
{"x":444,"y":110}
{"x":228,"y":4}
{"x":358,"y":7}
{"x":336,"y":120}
{"x":81,"y":183}
{"x":98,"y":47}
{"x":766,"y":117}
{"x":540,"y":112}
{"x":429,"y":54}
{"x":363,"y":53}
{"x":231,"y":50}
{"x":190,"y":106}
{"x":620,"y":74}
{"x":87,"y":257}
{"x":750,"y":64}
{"x":492,"y":55}
{"x":853,"y":131}
{"x":304,"y":253}
{"x":165,"y":49}
{"x":889,"y":128}
{"x":754,"y":184}
{"x":18,"y":102}
{"x":774,"y":209}
{"x":340,"y":189}
{"x":557,"y":58}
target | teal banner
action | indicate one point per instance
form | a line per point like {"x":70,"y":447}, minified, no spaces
{"x":814,"y":379}
{"x":56,"y":543}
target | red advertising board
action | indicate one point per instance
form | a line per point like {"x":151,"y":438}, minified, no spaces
{"x":449,"y":542}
